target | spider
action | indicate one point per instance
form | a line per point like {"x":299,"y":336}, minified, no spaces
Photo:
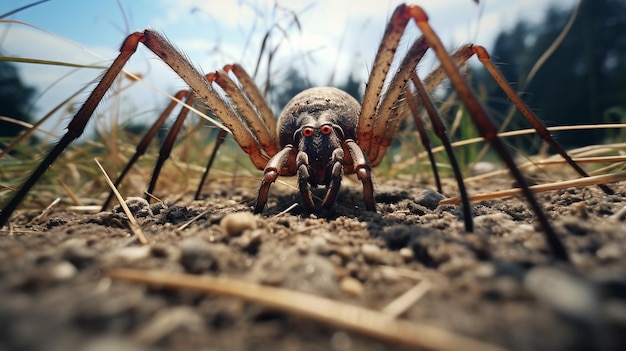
{"x":324,"y":133}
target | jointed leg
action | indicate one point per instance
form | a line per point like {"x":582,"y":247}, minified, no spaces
{"x":255,"y":95}
{"x":218,"y":142}
{"x":483,"y":56}
{"x":388,"y":117}
{"x":270,"y":174}
{"x":304,"y":176}
{"x":440,"y":131}
{"x":143,"y":144}
{"x":374,"y":87}
{"x":248,"y":111}
{"x":363,"y":171}
{"x":168,"y":144}
{"x":76,"y":125}
{"x":335,"y":182}
{"x":198,"y":83}
{"x":486,"y":127}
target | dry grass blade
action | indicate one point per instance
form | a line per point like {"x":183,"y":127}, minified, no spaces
{"x":357,"y":319}
{"x":581,"y":182}
{"x":398,"y":306}
{"x":134,"y":226}
{"x":12,"y":12}
{"x":44,"y":214}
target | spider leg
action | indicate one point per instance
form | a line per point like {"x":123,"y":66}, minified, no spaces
{"x":486,"y":127}
{"x":387,"y":119}
{"x":335,"y":182}
{"x":143,"y":144}
{"x":76,"y":126}
{"x":200,"y":85}
{"x":485,"y":59}
{"x":168,"y":54}
{"x":256,"y":97}
{"x":304,"y":176}
{"x":421,"y":129}
{"x":374,"y":87}
{"x":433,"y":80}
{"x":218,"y":142}
{"x":440,"y":131}
{"x":249,"y":113}
{"x":168,"y":144}
{"x":270,"y":174}
{"x":363,"y":171}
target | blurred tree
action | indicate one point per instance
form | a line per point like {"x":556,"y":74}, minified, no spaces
{"x":581,"y":81}
{"x":15,"y":99}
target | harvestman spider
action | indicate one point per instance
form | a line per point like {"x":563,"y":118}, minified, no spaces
{"x":324,"y":133}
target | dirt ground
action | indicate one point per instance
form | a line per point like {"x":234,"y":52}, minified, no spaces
{"x":498,"y":285}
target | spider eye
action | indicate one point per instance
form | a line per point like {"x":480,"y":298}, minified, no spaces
{"x":326,"y":129}
{"x":308,"y":131}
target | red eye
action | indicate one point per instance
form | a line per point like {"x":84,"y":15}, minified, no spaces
{"x":308,"y":131}
{"x":326,"y":129}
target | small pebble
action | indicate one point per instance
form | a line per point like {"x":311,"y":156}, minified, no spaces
{"x":406,"y":254}
{"x":429,"y":199}
{"x":610,"y":251}
{"x":351,"y":287}
{"x":234,"y":224}
{"x":318,"y":245}
{"x":62,"y":271}
{"x":372,"y":253}
{"x":197,"y":256}
{"x":130,"y":253}
{"x":563,"y":291}
{"x":483,"y":167}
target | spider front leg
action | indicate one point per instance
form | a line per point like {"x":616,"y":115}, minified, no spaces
{"x":179,"y":64}
{"x":304,"y":180}
{"x":270,"y":174}
{"x":362,"y":168}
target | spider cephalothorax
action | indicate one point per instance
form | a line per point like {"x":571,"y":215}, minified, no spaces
{"x":317,"y":132}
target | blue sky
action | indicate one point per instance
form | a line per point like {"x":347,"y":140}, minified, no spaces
{"x":336,"y":35}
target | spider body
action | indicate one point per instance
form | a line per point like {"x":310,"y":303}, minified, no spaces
{"x":315,"y":130}
{"x":317,"y":121}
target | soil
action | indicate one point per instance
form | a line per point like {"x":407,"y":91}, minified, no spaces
{"x":499,"y":285}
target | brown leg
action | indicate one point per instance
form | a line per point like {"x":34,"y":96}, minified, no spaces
{"x":336,"y":175}
{"x":495,"y":73}
{"x":168,"y":144}
{"x":199,"y":84}
{"x":487,"y":128}
{"x":76,"y":126}
{"x":440,"y":131}
{"x":373,"y":89}
{"x":424,"y":139}
{"x":270,"y":174}
{"x":363,"y":172}
{"x":255,"y":95}
{"x":388,"y":117}
{"x":143,"y":144}
{"x":249,"y":113}
{"x":169,"y":55}
{"x":304,"y":177}
{"x":218,"y":142}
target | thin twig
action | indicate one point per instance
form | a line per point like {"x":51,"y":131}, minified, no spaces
{"x":580,"y":182}
{"x":401,"y":304}
{"x":134,"y":226}
{"x":368,"y":322}
{"x":42,"y":216}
